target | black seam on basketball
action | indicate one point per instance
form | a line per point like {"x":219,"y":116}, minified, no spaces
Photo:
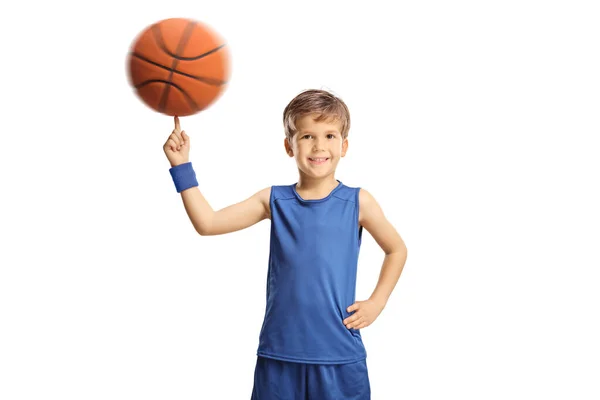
{"x":187,"y":96}
{"x":209,"y":81}
{"x":158,"y":36}
{"x":202,"y":55}
{"x":180,"y":50}
{"x":187,"y":32}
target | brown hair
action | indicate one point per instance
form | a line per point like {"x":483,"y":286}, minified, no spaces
{"x":329,"y":107}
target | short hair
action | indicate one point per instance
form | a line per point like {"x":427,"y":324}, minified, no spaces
{"x":316,"y":101}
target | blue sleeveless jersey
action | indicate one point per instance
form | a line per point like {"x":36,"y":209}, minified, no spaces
{"x":311,"y":278}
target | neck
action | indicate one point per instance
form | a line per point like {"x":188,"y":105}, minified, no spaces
{"x":309,"y":184}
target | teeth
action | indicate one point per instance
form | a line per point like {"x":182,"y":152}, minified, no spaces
{"x":318,"y":159}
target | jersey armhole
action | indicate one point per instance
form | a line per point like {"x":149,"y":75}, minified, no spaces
{"x":271,"y":200}
{"x":360,"y":228}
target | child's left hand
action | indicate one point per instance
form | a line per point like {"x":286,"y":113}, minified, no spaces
{"x":365,"y":313}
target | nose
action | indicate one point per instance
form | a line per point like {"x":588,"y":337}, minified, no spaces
{"x":317,"y":145}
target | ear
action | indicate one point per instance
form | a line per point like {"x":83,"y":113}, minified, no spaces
{"x":344,"y":147}
{"x":288,"y":147}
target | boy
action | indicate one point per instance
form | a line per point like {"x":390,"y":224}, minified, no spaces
{"x":310,"y":346}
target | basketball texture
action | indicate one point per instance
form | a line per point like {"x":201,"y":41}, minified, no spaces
{"x":178,"y":66}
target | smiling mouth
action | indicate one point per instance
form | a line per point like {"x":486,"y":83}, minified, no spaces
{"x":318,"y":160}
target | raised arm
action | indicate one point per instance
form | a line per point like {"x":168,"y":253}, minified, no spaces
{"x":206,"y":221}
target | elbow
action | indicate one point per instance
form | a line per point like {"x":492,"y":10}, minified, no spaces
{"x":202,"y":230}
{"x":401,"y":249}
{"x":404,"y":250}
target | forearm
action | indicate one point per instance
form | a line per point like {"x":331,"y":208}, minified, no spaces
{"x":198,"y":209}
{"x":393,"y":264}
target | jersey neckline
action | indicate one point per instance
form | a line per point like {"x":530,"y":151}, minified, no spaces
{"x":335,"y":189}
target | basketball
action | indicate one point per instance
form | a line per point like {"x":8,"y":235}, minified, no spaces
{"x":178,"y":66}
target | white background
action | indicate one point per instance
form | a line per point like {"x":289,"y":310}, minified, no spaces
{"x":473,"y":126}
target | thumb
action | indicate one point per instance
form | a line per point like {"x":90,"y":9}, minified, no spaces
{"x":185,"y":137}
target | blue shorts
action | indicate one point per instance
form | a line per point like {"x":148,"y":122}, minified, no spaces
{"x":283,"y":380}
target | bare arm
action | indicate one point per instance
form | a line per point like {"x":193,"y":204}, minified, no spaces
{"x":375,"y":222}
{"x":233,"y":218}
{"x":371,"y":217}
{"x":205,"y":220}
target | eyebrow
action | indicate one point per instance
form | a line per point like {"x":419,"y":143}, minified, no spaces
{"x":325,"y":132}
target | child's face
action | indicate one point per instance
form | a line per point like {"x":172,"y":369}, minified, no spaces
{"x":315,"y":141}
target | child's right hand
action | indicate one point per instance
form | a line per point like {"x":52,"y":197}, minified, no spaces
{"x":177,"y":146}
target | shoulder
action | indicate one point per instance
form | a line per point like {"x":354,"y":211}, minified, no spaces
{"x":273,"y":193}
{"x":367,"y":205}
{"x":264,"y":196}
{"x":280,"y":192}
{"x":365,"y":197}
{"x":372,"y":218}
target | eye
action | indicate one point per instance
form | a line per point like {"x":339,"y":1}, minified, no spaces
{"x":332,"y":135}
{"x":305,"y":136}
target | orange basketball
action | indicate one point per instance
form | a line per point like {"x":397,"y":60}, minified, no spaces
{"x":178,"y":66}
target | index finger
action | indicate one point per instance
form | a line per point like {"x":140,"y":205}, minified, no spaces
{"x":177,"y":127}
